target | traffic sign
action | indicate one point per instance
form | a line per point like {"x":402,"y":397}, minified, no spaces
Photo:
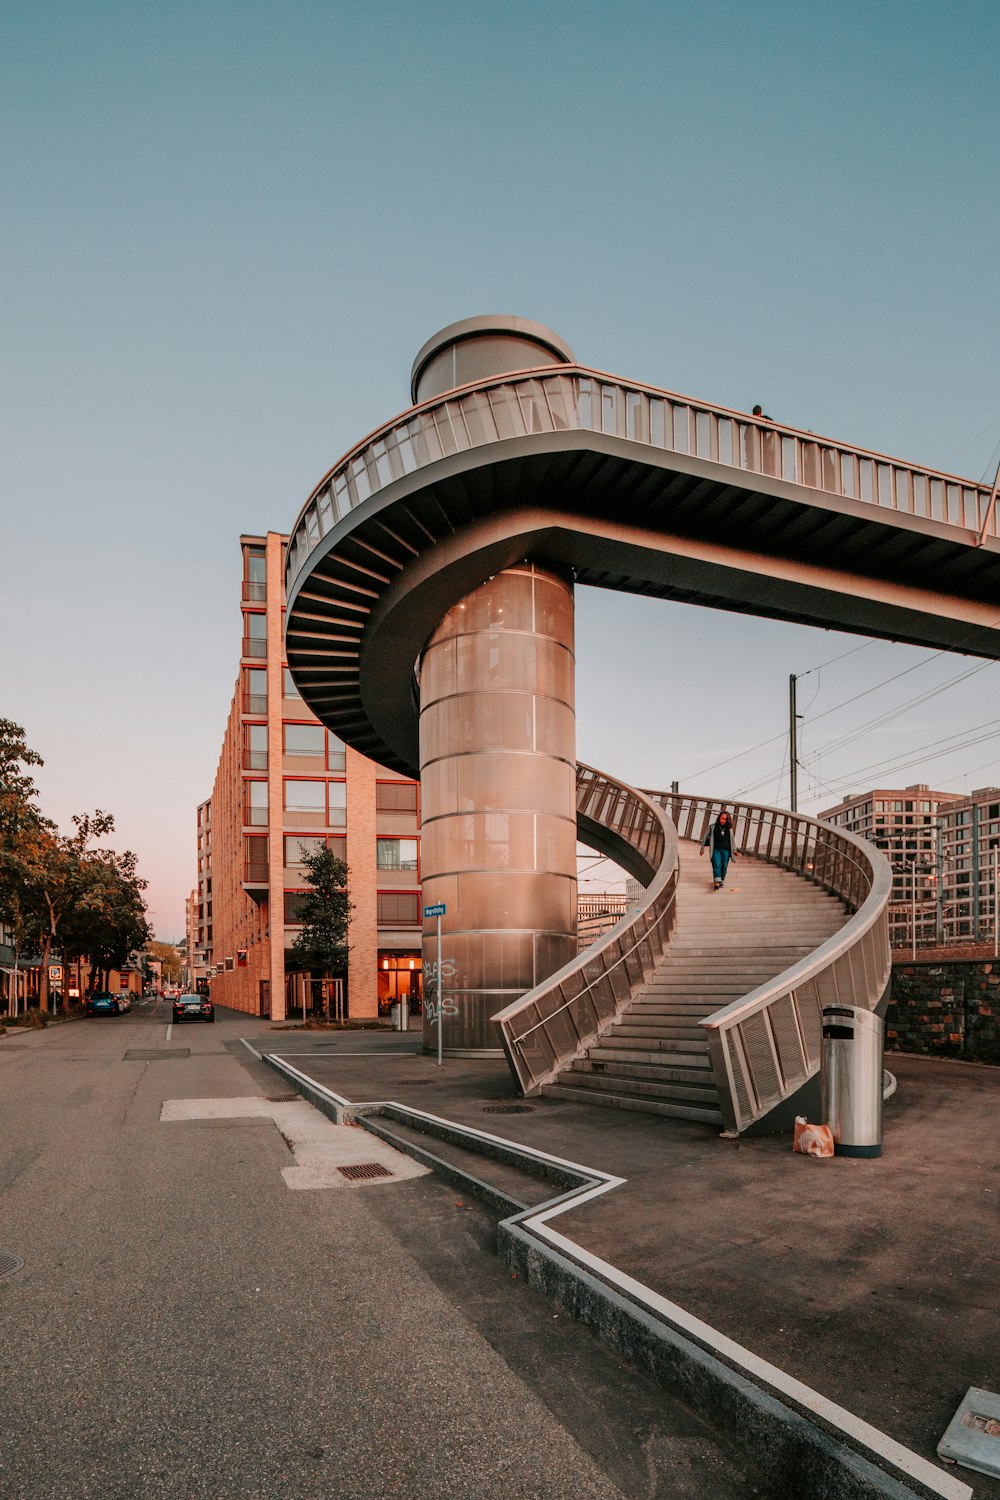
{"x":55,"y":971}
{"x":435,"y":911}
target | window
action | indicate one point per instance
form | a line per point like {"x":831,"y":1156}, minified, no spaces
{"x":256,"y":801}
{"x":254,"y":634}
{"x":306,"y":797}
{"x":396,"y":796}
{"x":336,"y":754}
{"x":255,"y":690}
{"x":256,"y":866}
{"x":338,"y":803}
{"x":290,"y":690}
{"x":293,"y":907}
{"x":255,"y":580}
{"x":298,"y":845}
{"x":255,"y":747}
{"x":304,"y":739}
{"x":396,"y":854}
{"x":398,"y":909}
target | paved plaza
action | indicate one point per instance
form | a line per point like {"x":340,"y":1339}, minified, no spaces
{"x":873,"y":1281}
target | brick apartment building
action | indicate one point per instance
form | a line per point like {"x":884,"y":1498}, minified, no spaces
{"x":943,"y":848}
{"x":284,"y":784}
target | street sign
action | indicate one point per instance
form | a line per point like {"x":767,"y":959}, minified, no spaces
{"x":435,"y":911}
{"x":55,"y":971}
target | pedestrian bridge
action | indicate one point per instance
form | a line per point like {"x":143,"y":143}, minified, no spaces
{"x":625,"y":486}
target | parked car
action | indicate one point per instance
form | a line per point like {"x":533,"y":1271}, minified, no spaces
{"x":103,"y":1004}
{"x":193,"y":1008}
{"x":124,"y":1000}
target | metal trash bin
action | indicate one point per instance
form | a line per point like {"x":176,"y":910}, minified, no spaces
{"x":851,"y":1079}
{"x":394,"y":1015}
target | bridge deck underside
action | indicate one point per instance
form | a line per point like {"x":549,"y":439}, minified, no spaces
{"x":666,"y":526}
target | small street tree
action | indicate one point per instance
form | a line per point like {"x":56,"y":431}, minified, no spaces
{"x":325,"y":913}
{"x":168,"y":956}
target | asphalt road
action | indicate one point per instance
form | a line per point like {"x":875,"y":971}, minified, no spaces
{"x":186,"y":1325}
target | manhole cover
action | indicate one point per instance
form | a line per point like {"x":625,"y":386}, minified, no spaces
{"x":146,"y":1054}
{"x":9,"y":1264}
{"x":364,"y":1169}
{"x":282,"y":1098}
{"x":508,"y":1109}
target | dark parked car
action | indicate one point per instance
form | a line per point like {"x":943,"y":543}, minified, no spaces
{"x":193,"y":1008}
{"x":103,"y":1004}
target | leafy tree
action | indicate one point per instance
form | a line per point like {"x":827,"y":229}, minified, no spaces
{"x":169,"y":959}
{"x":108,"y":919}
{"x":325,"y":913}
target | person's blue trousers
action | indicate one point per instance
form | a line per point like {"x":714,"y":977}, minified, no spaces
{"x":720,"y":863}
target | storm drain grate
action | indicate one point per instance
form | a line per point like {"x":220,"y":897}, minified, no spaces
{"x":508,"y":1109}
{"x":364,"y":1170}
{"x":146,"y":1054}
{"x":282,"y":1098}
{"x":412,"y":1083}
{"x":9,"y":1264}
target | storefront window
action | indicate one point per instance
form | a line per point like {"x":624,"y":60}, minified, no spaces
{"x":400,"y":977}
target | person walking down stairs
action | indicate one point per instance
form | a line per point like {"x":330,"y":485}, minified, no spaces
{"x":719,"y":843}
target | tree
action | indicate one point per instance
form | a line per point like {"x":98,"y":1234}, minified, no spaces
{"x":169,"y":959}
{"x":108,"y":919}
{"x":325,"y":914}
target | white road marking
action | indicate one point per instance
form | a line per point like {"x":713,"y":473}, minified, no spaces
{"x":318,"y":1146}
{"x":170,"y":1028}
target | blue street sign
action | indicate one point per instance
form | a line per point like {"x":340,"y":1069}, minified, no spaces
{"x":435,"y":911}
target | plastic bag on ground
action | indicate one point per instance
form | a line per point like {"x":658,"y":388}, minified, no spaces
{"x":812,"y":1140}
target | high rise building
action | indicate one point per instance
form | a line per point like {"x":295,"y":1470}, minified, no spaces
{"x":941,"y":847}
{"x":286,"y":786}
{"x":970,"y":867}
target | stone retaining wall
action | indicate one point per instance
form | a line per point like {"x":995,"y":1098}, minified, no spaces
{"x":945,"y":1009}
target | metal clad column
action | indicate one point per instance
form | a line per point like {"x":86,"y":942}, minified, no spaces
{"x":497,"y":746}
{"x":498,"y":773}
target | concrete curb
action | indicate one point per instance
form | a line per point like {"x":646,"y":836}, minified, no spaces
{"x":814,"y":1449}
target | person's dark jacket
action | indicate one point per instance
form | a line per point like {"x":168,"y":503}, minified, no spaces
{"x":720,"y":836}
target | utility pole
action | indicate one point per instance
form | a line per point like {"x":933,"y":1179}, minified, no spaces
{"x":793,"y":745}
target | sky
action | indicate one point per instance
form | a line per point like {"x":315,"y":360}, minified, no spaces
{"x":228,"y":228}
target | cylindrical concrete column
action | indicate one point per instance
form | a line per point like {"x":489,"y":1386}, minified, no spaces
{"x":498,"y":776}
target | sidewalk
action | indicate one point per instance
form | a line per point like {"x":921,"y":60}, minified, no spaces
{"x":873,"y":1281}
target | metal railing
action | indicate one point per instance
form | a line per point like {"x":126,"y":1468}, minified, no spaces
{"x":766,"y":1045}
{"x":553,"y":1023}
{"x":572,"y":397}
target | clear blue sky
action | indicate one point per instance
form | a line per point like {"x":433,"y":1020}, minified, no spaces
{"x":229,"y":227}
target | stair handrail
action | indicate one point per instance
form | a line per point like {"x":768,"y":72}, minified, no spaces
{"x":766,"y":1045}
{"x":548,"y":1027}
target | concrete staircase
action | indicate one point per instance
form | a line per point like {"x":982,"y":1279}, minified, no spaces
{"x":726,"y":943}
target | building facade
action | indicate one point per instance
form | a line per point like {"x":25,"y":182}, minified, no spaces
{"x":944,"y":849}
{"x":286,"y":786}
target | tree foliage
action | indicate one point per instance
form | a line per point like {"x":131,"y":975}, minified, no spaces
{"x":168,"y":956}
{"x":325,"y":913}
{"x":58,"y":891}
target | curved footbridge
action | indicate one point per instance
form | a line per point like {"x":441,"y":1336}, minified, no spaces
{"x":430,"y":583}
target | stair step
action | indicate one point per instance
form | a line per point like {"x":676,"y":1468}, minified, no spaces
{"x":641,"y":1106}
{"x":684,"y":1064}
{"x":689,"y":1047}
{"x":650,"y":1082}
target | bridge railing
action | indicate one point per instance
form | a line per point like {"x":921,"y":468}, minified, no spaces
{"x":571,"y":397}
{"x":766,"y":1045}
{"x":546,"y":1028}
